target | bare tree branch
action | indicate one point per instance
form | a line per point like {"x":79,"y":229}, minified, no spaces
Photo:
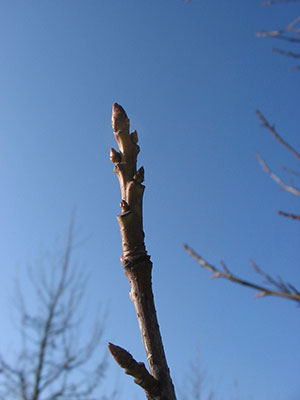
{"x":276,"y":135}
{"x":292,"y":24}
{"x":292,"y":189}
{"x":289,"y":215}
{"x":278,"y":34}
{"x":286,"y":53}
{"x":137,"y":370}
{"x":52,"y":363}
{"x":282,"y":290}
{"x":291,"y":33}
{"x":272,"y":2}
{"x":196,"y":383}
{"x":135,"y":260}
{"x":49,"y":320}
{"x":291,"y":171}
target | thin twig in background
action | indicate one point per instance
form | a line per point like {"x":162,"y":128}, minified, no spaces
{"x":291,"y":33}
{"x":51,"y":362}
{"x":276,"y":135}
{"x":288,"y":188}
{"x":290,"y":171}
{"x":289,"y":215}
{"x":284,"y":290}
{"x":272,"y":2}
{"x":286,"y":53}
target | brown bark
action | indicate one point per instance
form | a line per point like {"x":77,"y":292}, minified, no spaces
{"x":135,"y":260}
{"x":136,"y":369}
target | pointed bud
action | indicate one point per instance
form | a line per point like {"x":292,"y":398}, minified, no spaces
{"x":134,"y":137}
{"x":140,"y":175}
{"x":122,"y":356}
{"x":114,"y":156}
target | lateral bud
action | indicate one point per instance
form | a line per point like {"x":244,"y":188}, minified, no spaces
{"x":124,"y":206}
{"x":134,"y":137}
{"x":140,"y":175}
{"x":114,"y":156}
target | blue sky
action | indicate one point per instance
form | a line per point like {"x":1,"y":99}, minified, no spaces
{"x":190,"y":77}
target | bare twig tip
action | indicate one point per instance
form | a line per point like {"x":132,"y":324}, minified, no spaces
{"x":120,"y":120}
{"x":122,"y":356}
{"x":289,"y":215}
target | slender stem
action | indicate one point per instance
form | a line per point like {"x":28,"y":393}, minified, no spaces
{"x":276,"y":135}
{"x":285,"y":290}
{"x":136,"y":262}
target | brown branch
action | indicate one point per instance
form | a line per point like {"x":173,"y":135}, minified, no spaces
{"x":272,"y":2}
{"x":278,"y":34}
{"x":289,"y":215}
{"x":289,"y":34}
{"x":136,"y":369}
{"x":291,"y":25}
{"x":276,"y":135}
{"x":136,"y":262}
{"x":290,"y":171}
{"x":292,"y":189}
{"x":286,"y":53}
{"x":284,"y":290}
{"x":272,"y":34}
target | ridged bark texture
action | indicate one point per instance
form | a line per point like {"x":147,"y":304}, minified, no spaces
{"x":136,"y":262}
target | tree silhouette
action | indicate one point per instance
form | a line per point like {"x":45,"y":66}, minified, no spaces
{"x":53,"y":364}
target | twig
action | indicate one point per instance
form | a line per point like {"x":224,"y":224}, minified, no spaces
{"x":136,"y":369}
{"x":276,"y":135}
{"x":276,"y":178}
{"x":263,"y":291}
{"x":278,"y":34}
{"x":289,"y":215}
{"x":291,"y":25}
{"x":271,"y":2}
{"x":289,"y":34}
{"x":286,"y":53}
{"x":135,"y":260}
{"x":290,"y":171}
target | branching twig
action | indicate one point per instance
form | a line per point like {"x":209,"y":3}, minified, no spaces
{"x":291,"y":33}
{"x":288,"y":188}
{"x":271,"y":2}
{"x":276,"y":135}
{"x":135,"y":369}
{"x":278,"y":34}
{"x":136,"y":262}
{"x":283,"y":290}
{"x":50,"y":363}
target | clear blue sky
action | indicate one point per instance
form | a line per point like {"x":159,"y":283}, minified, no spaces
{"x":190,"y":76}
